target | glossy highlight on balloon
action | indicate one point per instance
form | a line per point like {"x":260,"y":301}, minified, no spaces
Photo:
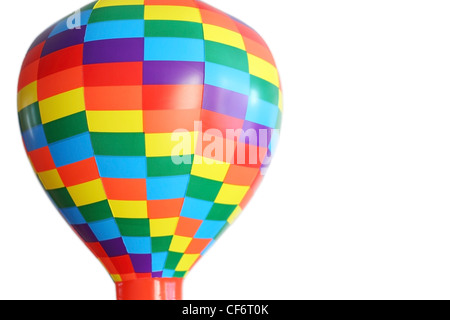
{"x":150,"y":124}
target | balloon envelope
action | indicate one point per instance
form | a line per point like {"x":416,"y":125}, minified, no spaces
{"x":149,"y":124}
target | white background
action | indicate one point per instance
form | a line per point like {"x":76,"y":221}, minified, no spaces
{"x":356,"y":204}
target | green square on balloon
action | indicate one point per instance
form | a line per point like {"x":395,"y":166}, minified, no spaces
{"x":96,"y":211}
{"x":173,"y":29}
{"x":133,"y":227}
{"x":66,"y":127}
{"x":226,"y":55}
{"x":161,"y":244}
{"x":30,"y":117}
{"x":220,"y":212}
{"x":172,"y":260}
{"x":61,"y":197}
{"x":266,"y":90}
{"x":164,"y":166}
{"x":204,"y":189}
{"x":117,"y":13}
{"x":118,"y":144}
{"x":179,"y":274}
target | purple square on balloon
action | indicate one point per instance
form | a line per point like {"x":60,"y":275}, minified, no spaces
{"x":114,"y":247}
{"x":113,"y":50}
{"x":43,"y":36}
{"x":142,"y":263}
{"x":85,"y":232}
{"x":69,"y":38}
{"x":174,"y":72}
{"x":225,"y":102}
{"x":256,"y":134}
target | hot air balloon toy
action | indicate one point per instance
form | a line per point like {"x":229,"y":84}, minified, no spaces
{"x":150,"y":124}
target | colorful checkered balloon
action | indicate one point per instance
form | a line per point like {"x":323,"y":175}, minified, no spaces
{"x":150,"y":124}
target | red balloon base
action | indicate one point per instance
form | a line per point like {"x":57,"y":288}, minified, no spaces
{"x":150,"y":289}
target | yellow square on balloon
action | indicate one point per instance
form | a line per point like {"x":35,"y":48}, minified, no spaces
{"x":170,"y":144}
{"x":280,"y":101}
{"x":163,"y":227}
{"x":116,"y":277}
{"x":115,"y":121}
{"x":223,"y":35}
{"x":129,"y":209}
{"x":51,"y":179}
{"x":113,"y":3}
{"x":263,"y":69}
{"x":177,"y":13}
{"x":62,"y":105}
{"x":234,"y":215}
{"x":87,"y":193}
{"x":180,"y":244}
{"x":231,"y":194}
{"x":27,"y":95}
{"x":209,"y":168}
{"x":186,"y":262}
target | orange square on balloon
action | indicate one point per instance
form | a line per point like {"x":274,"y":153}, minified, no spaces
{"x":113,"y":98}
{"x":97,"y":249}
{"x":241,"y":175}
{"x":166,"y":121}
{"x":248,"y":32}
{"x":60,"y":82}
{"x":172,"y":97}
{"x":28,"y":74}
{"x":251,"y":191}
{"x":197,"y":246}
{"x":205,"y":6}
{"x":33,"y":55}
{"x":218,"y":19}
{"x":113,"y":74}
{"x":187,"y":227}
{"x":125,"y":189}
{"x":79,"y":172}
{"x":109,"y":265}
{"x":128,"y":276}
{"x":41,"y":159}
{"x":60,"y":60}
{"x":122,"y":264}
{"x":257,"y":49}
{"x":160,"y":209}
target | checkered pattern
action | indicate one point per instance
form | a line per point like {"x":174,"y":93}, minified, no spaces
{"x":97,"y":108}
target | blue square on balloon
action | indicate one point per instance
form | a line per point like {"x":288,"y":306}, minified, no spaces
{"x":77,"y":20}
{"x":105,"y":229}
{"x":168,"y":273}
{"x":209,"y":229}
{"x":73,"y":215}
{"x":34,"y":138}
{"x":174,"y":49}
{"x":158,"y":261}
{"x":72,"y":150}
{"x":274,"y":140}
{"x":138,"y":245}
{"x":164,"y":188}
{"x":227,"y":78}
{"x":122,"y":167}
{"x":116,"y":29}
{"x":262,"y":112}
{"x":196,"y":209}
